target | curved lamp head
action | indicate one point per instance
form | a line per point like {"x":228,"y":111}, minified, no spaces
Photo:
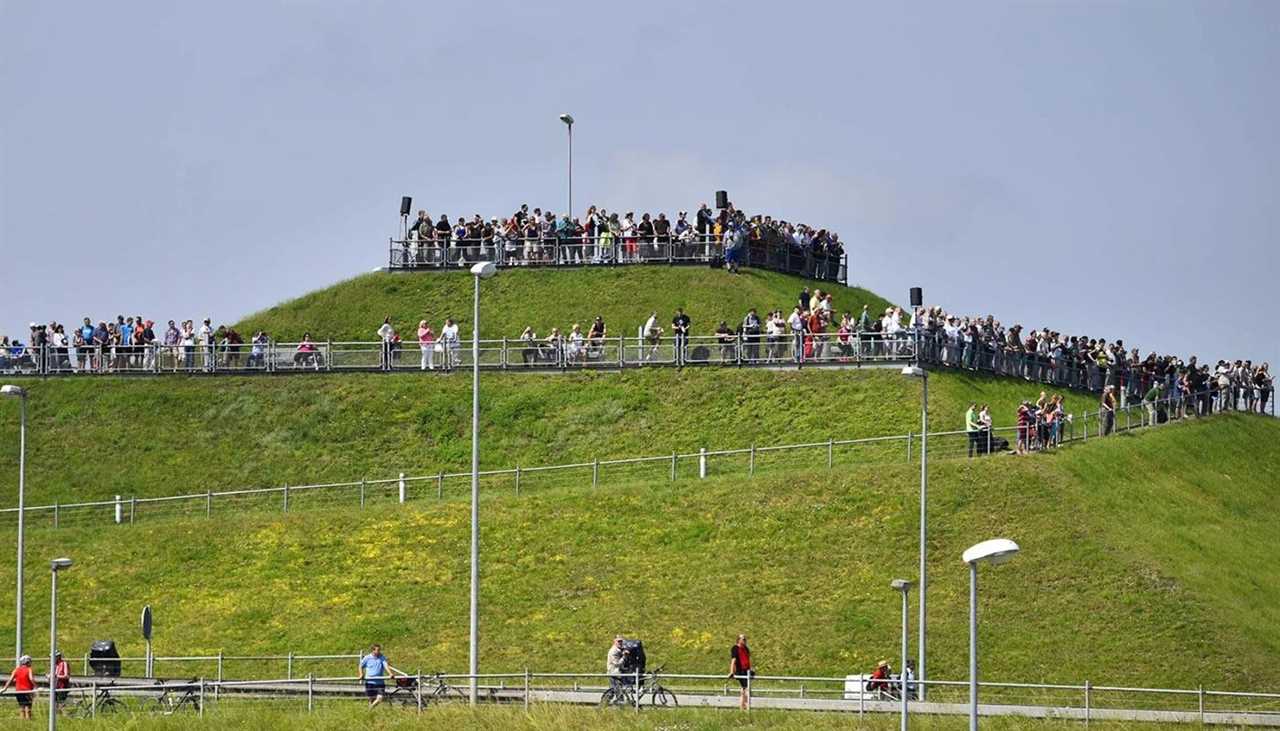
{"x":914,"y":371}
{"x":58,"y":564}
{"x":567,"y":119}
{"x":995,"y":551}
{"x":900,"y":585}
{"x":484,"y":269}
{"x":11,"y":390}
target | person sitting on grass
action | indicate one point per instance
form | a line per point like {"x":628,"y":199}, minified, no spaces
{"x":375,"y":668}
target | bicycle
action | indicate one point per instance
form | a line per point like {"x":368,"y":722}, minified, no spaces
{"x":435,"y":689}
{"x":174,"y":698}
{"x":90,"y":705}
{"x":623,"y":694}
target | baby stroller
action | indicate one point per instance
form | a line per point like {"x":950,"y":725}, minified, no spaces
{"x":633,"y":661}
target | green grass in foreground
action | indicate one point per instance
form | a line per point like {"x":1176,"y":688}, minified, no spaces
{"x":353,"y":310}
{"x":93,"y":439}
{"x":352,"y":714}
{"x":1112,"y":584}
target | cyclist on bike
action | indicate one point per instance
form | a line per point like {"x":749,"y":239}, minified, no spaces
{"x":374,"y":671}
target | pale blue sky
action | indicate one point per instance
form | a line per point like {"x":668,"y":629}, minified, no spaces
{"x":1109,"y":168}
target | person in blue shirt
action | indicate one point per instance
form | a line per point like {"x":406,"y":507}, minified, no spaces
{"x":374,"y":671}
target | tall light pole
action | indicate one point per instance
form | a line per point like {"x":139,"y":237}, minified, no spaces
{"x":903,"y":586}
{"x":995,"y":551}
{"x":568,"y":120}
{"x":55,"y":566}
{"x":916,"y":371}
{"x":21,"y":394}
{"x":481,"y":270}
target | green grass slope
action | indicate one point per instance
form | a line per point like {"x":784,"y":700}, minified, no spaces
{"x":354,"y":309}
{"x":93,"y":439}
{"x":1148,"y":559}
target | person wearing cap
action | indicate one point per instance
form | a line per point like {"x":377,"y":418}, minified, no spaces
{"x":24,"y":686}
{"x":61,"y":678}
{"x":879,"y":680}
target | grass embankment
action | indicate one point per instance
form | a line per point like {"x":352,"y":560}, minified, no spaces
{"x":349,"y":714}
{"x":93,"y":439}
{"x":353,"y":310}
{"x":1147,"y":560}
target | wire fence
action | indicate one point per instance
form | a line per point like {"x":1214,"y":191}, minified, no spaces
{"x":651,"y":691}
{"x":1036,"y":435}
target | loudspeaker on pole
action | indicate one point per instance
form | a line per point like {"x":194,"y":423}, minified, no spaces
{"x":917,"y":297}
{"x":406,"y":203}
{"x":722,"y":199}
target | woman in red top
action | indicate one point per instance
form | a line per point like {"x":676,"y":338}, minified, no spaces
{"x":24,"y":685}
{"x":740,"y":668}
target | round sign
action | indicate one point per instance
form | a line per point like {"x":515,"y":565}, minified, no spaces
{"x":146,"y":622}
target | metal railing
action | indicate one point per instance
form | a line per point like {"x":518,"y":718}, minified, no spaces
{"x":851,"y":694}
{"x":426,"y":254}
{"x":1038,"y":435}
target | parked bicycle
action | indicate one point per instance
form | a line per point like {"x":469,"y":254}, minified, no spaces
{"x":88,"y":704}
{"x":622,"y":692}
{"x":174,"y":698}
{"x":435,"y":689}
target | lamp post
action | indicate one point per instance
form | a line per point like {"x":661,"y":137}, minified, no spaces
{"x":916,"y":371}
{"x":903,"y":586}
{"x":995,"y":551}
{"x":21,"y":394}
{"x":481,"y":270}
{"x":568,"y":121}
{"x":55,"y":566}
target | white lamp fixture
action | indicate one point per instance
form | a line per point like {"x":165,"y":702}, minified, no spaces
{"x":994,"y":552}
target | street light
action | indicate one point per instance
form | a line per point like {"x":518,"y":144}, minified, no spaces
{"x":995,"y":552}
{"x":481,"y":270}
{"x":903,"y":586}
{"x":20,"y":393}
{"x":568,"y":120}
{"x":916,"y":371}
{"x":55,"y":566}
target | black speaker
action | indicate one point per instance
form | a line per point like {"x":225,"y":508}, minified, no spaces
{"x":917,"y":297}
{"x":722,"y":199}
{"x":405,"y":204}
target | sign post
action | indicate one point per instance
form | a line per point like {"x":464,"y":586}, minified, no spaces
{"x":146,"y":635}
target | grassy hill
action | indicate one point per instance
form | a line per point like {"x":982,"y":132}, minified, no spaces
{"x":1118,"y":580}
{"x":353,"y":310}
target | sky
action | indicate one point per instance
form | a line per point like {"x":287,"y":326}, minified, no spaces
{"x":1108,"y":168}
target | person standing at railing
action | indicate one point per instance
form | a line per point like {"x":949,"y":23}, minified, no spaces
{"x":1150,"y":400}
{"x":972,"y":428}
{"x":375,"y":668}
{"x":387,"y":335}
{"x":741,"y":669}
{"x":148,"y":345}
{"x":795,"y":325}
{"x":427,"y":343}
{"x":751,"y":334}
{"x":1107,"y":410}
{"x":1263,"y":381}
{"x":449,"y":337}
{"x":596,"y":337}
{"x":258,"y":350}
{"x":24,"y":684}
{"x":61,"y":679}
{"x":680,"y":328}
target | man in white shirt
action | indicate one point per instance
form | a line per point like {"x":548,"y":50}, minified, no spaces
{"x":206,"y":342}
{"x":796,"y":324}
{"x":449,"y":334}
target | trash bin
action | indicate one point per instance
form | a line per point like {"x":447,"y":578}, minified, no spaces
{"x":104,"y":659}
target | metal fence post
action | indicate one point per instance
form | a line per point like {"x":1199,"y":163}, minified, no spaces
{"x":93,"y":699}
{"x":830,"y":453}
{"x":749,"y":692}
{"x":1087,"y":701}
{"x":702,"y":463}
{"x":288,"y":669}
{"x":200,"y":708}
{"x":1200,"y":696}
{"x":362,"y":492}
{"x":311,"y":689}
{"x":595,"y":472}
{"x":910,"y":436}
{"x":440,"y":486}
{"x":751,"y":466}
{"x":119,"y":510}
{"x":401,"y":488}
{"x":526,"y":690}
{"x":133,"y":507}
{"x":55,"y":514}
{"x":673,"y":466}
{"x":286,"y":497}
{"x":208,"y":503}
{"x":637,"y":687}
{"x":217,"y":689}
{"x":417,"y":690}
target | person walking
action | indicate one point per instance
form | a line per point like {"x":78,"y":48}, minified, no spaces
{"x":24,"y":686}
{"x":740,"y":668}
{"x":375,"y":668}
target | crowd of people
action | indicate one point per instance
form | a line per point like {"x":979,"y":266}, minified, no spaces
{"x":601,"y":236}
{"x":812,"y":330}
